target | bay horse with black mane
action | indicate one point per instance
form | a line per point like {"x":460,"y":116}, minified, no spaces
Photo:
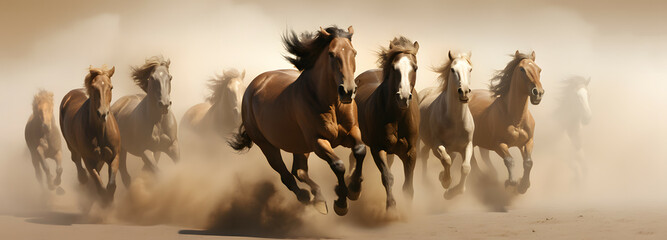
{"x":502,"y":119}
{"x":309,"y":110}
{"x":146,"y":123}
{"x":389,"y":113}
{"x":91,"y":131}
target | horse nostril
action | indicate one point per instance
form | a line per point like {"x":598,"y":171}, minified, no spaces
{"x":535,"y":92}
{"x":460,"y":91}
{"x":169,"y":103}
{"x":410,"y":96}
{"x":469,"y":90}
{"x":341,"y":90}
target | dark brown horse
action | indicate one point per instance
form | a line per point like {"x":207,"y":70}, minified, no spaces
{"x":308,"y":111}
{"x":389,"y":114}
{"x":43,"y":139}
{"x":90,"y":131}
{"x":146,"y":122}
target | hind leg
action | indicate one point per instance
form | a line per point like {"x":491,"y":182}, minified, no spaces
{"x":81,"y":173}
{"x":323,"y":150}
{"x":300,"y":171}
{"x":276,"y":161}
{"x":122,"y":166}
{"x":484,"y":154}
{"x":423,"y":155}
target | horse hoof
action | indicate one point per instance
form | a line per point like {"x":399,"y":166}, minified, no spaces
{"x":321,"y":207}
{"x":391,"y":213}
{"x":56,"y":182}
{"x":303,"y":196}
{"x":353,"y":195}
{"x":523,"y":187}
{"x":340,"y":210}
{"x":354,"y":190}
{"x":60,"y":191}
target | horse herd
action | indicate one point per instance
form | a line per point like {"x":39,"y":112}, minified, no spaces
{"x":314,"y":108}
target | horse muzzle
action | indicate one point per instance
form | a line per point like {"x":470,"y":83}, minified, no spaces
{"x":345,"y":95}
{"x":164,"y":106}
{"x":536,"y":95}
{"x":403,"y":102}
{"x":463,"y":94}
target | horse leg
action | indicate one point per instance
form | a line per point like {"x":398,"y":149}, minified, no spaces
{"x":80,"y":171}
{"x":446,"y":161}
{"x":380,"y":158}
{"x":156,"y":156}
{"x":409,"y":160}
{"x":359,"y":153}
{"x":465,"y":170}
{"x":390,"y":160}
{"x":276,"y":161}
{"x":323,"y":150}
{"x":59,"y":167}
{"x":484,"y":154}
{"x":122,"y":163}
{"x":93,"y":170}
{"x":526,"y":152}
{"x":35,"y":163}
{"x":423,"y":154}
{"x":504,"y":152}
{"x":300,"y":171}
{"x":111,"y":184}
{"x":174,"y":152}
{"x":147,"y":157}
{"x":45,"y":167}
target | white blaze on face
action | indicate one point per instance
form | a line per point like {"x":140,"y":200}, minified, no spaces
{"x":404,"y":67}
{"x":463,"y":68}
{"x":582,"y":94}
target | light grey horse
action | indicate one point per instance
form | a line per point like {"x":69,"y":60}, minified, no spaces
{"x":146,"y":122}
{"x":573,"y":113}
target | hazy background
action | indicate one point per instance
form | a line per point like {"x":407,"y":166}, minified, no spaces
{"x":622,"y":45}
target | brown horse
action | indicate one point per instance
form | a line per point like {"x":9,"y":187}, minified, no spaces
{"x":146,"y":122}
{"x":501,"y":115}
{"x":446,"y":123}
{"x":221,"y":114}
{"x":308,"y":111}
{"x":43,"y":139}
{"x":389,"y":114}
{"x":90,"y":131}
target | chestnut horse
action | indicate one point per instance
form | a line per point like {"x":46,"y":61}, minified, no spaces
{"x":501,"y":115}
{"x":446,"y":123}
{"x":146,"y":122}
{"x":43,"y":139}
{"x":221,"y":114}
{"x":308,"y":111}
{"x":389,"y":114}
{"x":90,"y":131}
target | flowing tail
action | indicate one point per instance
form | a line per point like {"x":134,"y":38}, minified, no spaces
{"x":240,"y":141}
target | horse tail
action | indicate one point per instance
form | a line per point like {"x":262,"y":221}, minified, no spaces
{"x":240,"y":141}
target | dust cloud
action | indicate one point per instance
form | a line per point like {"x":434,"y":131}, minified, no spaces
{"x":619,"y":44}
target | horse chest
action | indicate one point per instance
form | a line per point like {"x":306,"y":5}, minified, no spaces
{"x":517,"y":135}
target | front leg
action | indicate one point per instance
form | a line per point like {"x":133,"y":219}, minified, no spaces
{"x":409,"y":161}
{"x":465,"y":171}
{"x":323,"y":150}
{"x":380,"y":158}
{"x":111,"y":184}
{"x":504,"y":153}
{"x":359,"y":154}
{"x":147,"y":157}
{"x":526,"y":152}
{"x":174,"y":151}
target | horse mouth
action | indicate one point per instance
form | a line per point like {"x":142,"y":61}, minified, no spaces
{"x":344,"y":100}
{"x":535,"y":101}
{"x":466,"y":100}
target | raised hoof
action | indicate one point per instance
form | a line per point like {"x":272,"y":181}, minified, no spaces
{"x":60,"y":191}
{"x":354,"y":190}
{"x":321,"y":207}
{"x":340,"y":210}
{"x":303,"y":196}
{"x":445,"y":182}
{"x":523,"y":186}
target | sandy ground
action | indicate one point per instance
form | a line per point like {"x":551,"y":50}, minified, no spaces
{"x":641,"y":222}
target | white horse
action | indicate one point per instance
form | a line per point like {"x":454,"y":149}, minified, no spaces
{"x":446,"y":124}
{"x":572,"y":114}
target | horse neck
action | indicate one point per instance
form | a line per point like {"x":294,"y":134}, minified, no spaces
{"x":454,"y":108}
{"x":516,"y":101}
{"x":96,"y":126}
{"x":151,"y":109}
{"x":219,"y":114}
{"x":320,"y":80}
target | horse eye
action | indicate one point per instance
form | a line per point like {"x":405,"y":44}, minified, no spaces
{"x":453,"y":71}
{"x":523,"y":69}
{"x":331,"y":54}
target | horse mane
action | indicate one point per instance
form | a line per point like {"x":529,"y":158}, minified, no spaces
{"x":141,"y":74}
{"x":42,"y":96}
{"x":93,"y":72}
{"x":503,"y":78}
{"x":218,"y":83}
{"x":307,"y":47}
{"x":397,"y":46}
{"x":443,"y":70}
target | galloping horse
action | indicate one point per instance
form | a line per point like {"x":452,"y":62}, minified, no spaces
{"x":573,"y":113}
{"x":389,"y":114}
{"x":43,"y":139}
{"x":90,"y":131}
{"x":501,"y":115}
{"x":302,"y":112}
{"x":446,"y":124}
{"x":221,"y":114}
{"x":146,"y":123}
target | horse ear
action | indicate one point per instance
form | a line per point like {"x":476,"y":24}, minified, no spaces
{"x":391,"y":44}
{"x":469,"y":54}
{"x":532,"y":56}
{"x":450,"y":55}
{"x":324,"y":32}
{"x":168,"y":62}
{"x":243,"y":75}
{"x":350,"y":29}
{"x":517,"y":53}
{"x":111,"y":71}
{"x":416,"y":45}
